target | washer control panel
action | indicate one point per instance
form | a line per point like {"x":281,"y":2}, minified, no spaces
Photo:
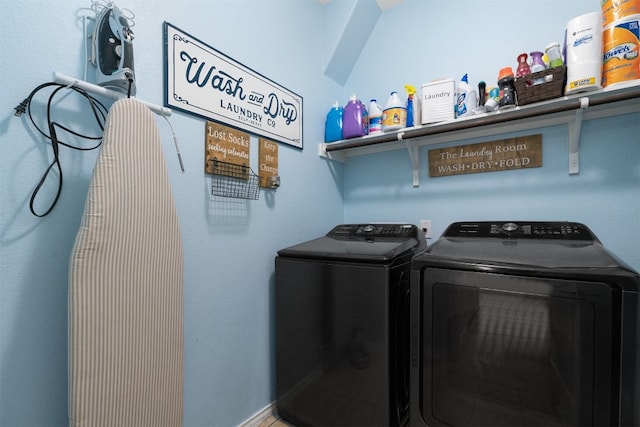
{"x":374,"y":230}
{"x":521,"y":229}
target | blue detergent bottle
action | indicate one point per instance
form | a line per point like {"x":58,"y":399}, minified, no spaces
{"x":333,"y":124}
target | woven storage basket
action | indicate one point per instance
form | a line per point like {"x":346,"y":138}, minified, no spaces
{"x":553,"y":86}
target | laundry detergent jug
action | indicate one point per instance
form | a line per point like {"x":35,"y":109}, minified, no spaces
{"x":355,"y":121}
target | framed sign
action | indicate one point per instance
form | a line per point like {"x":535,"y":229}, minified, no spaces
{"x":493,"y":156}
{"x":202,"y":81}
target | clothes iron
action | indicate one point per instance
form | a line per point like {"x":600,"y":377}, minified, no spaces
{"x":112,"y":50}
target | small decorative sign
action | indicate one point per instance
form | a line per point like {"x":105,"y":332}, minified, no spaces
{"x":268,"y":163}
{"x":506,"y":154}
{"x":201,"y":80}
{"x":227,"y":145}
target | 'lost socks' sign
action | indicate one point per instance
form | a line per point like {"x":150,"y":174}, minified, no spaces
{"x":203,"y":81}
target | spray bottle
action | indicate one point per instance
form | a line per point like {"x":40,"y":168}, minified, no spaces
{"x":411,"y":108}
{"x":466,"y":100}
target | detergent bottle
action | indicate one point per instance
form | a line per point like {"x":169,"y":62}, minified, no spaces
{"x":411,"y":106}
{"x":507,"y":88}
{"x":394,"y":115}
{"x":375,"y":117}
{"x":333,"y":123}
{"x":466,"y":98}
{"x":355,"y":121}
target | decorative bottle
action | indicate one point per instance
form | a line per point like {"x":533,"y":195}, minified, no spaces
{"x":537,"y":64}
{"x":523,"y":68}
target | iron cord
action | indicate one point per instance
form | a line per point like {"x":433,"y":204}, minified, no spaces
{"x":99,"y":112}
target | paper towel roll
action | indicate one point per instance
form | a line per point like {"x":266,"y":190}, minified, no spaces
{"x":620,"y":60}
{"x":615,"y":10}
{"x":583,"y":53}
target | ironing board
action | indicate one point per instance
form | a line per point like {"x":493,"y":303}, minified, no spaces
{"x":126,"y":284}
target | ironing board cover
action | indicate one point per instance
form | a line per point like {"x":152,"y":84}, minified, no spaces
{"x":126,"y":284}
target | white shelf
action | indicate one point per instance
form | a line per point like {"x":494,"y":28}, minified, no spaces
{"x":570,"y":110}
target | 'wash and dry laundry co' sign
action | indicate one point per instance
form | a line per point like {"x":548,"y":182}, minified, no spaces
{"x":506,"y":154}
{"x":203,"y":81}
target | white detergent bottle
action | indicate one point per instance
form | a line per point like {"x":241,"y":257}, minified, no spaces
{"x":394,"y":115}
{"x":466,"y":98}
{"x":375,"y":117}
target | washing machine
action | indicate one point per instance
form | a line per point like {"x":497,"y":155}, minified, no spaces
{"x":523,"y":323}
{"x":342,"y":326}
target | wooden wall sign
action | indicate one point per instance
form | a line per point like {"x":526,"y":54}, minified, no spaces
{"x":493,"y":156}
{"x":268,"y":163}
{"x":225,"y":144}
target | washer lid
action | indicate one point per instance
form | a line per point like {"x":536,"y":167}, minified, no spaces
{"x":523,"y":245}
{"x":361,"y":242}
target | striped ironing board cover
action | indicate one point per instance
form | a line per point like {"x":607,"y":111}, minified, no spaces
{"x":126,"y":284}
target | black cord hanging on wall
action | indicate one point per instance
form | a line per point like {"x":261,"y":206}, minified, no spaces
{"x":99,"y":112}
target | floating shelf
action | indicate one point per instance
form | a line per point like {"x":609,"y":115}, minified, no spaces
{"x":570,"y":110}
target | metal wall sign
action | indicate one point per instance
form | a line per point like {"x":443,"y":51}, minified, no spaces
{"x":203,"y":81}
{"x":505,"y":154}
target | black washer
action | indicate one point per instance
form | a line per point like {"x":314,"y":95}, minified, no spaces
{"x":523,"y":323}
{"x":342,"y":338}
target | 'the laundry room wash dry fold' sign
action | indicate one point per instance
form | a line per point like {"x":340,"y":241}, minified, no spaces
{"x":493,"y":156}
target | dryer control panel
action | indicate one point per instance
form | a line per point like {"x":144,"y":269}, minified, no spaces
{"x":521,"y":229}
{"x":374,"y":230}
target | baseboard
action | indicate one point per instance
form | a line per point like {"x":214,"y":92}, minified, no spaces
{"x":260,"y":416}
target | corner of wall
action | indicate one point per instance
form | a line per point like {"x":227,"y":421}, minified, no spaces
{"x":348,"y":27}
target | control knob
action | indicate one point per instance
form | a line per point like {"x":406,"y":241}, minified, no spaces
{"x":509,"y":227}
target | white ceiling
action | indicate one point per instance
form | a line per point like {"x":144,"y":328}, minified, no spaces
{"x":382,"y":4}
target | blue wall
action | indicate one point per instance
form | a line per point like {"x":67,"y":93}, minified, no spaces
{"x":230,"y":245}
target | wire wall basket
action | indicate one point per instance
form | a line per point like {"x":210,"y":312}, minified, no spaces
{"x":231,"y":180}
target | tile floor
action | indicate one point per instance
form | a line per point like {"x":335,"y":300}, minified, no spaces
{"x":273,"y":421}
